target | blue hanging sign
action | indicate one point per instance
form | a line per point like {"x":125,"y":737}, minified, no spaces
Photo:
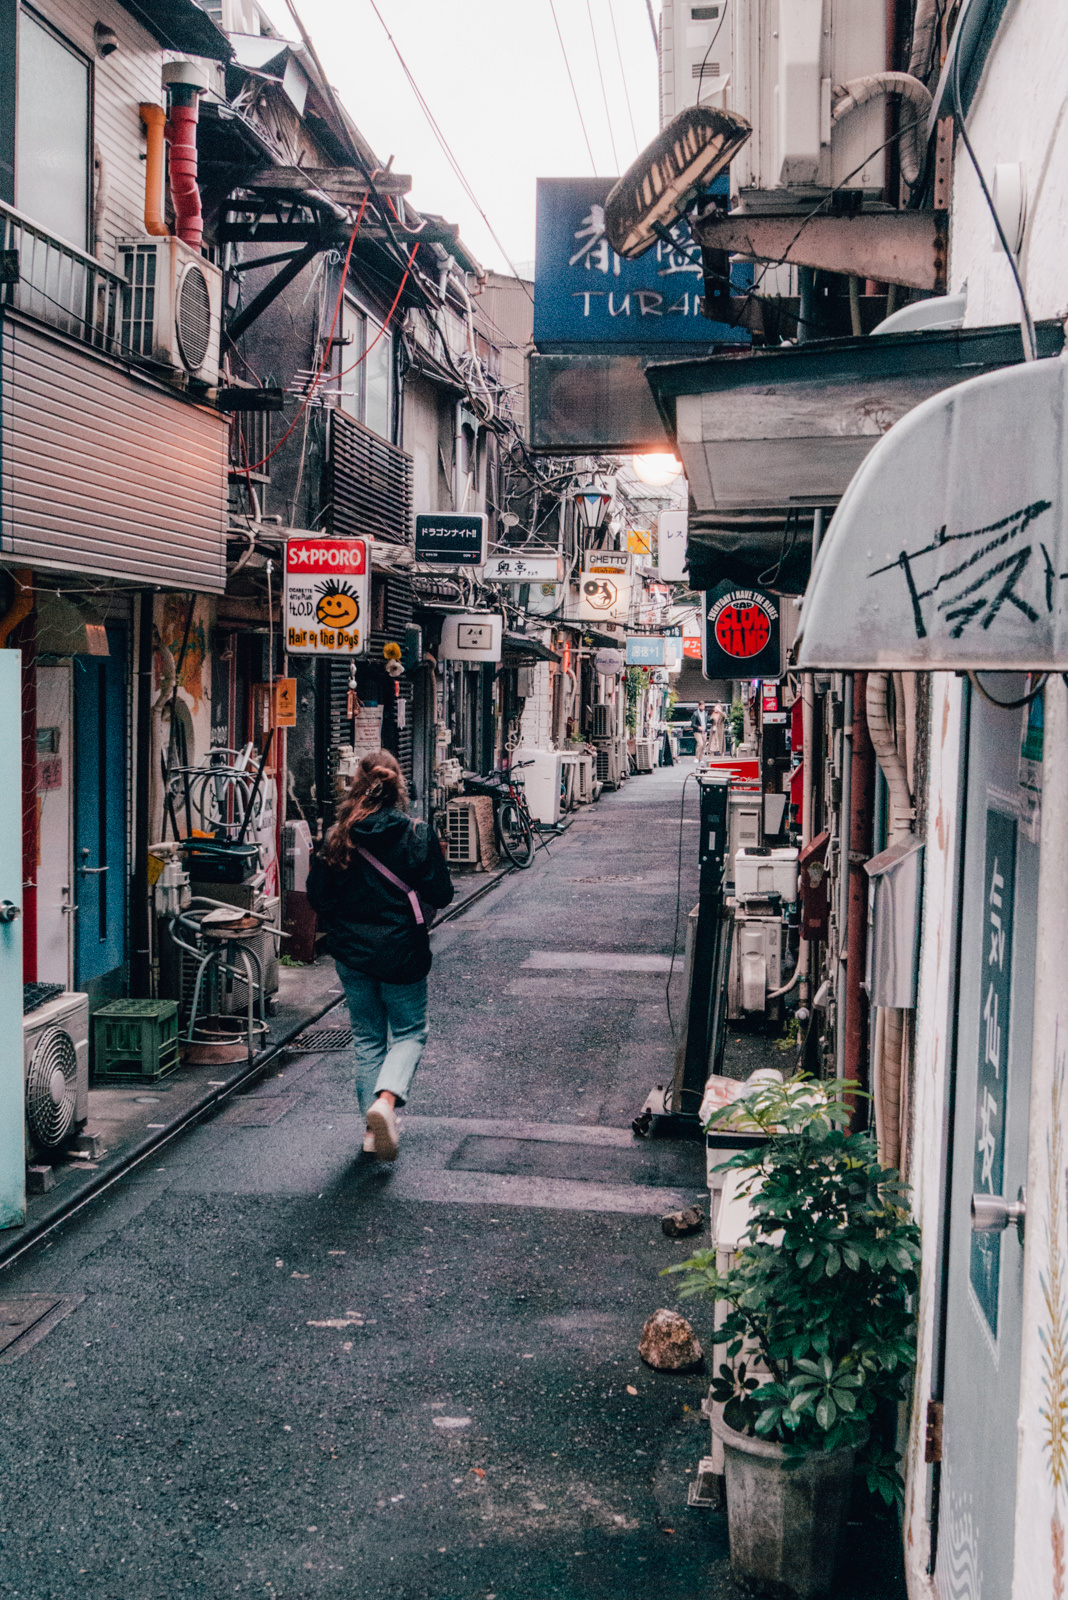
{"x":645,"y":650}
{"x":586,"y":294}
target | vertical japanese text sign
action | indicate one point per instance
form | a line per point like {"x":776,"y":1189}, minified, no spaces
{"x":999,"y":887}
{"x":327,"y":588}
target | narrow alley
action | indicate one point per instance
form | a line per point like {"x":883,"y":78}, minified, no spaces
{"x":286,"y":1373}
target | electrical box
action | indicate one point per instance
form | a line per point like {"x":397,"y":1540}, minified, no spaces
{"x":766,"y":872}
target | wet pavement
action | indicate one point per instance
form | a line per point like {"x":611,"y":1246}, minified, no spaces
{"x":271,"y":1370}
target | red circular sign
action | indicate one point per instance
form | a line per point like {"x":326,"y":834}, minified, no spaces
{"x":742,"y":631}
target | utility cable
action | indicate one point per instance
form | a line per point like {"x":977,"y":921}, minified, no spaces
{"x":444,"y":143}
{"x":1027,"y":327}
{"x":387,"y":320}
{"x":623,"y":75}
{"x":574,"y":91}
{"x":708,"y":52}
{"x":604,"y":91}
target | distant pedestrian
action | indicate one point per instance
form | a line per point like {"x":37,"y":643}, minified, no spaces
{"x":699,"y":724}
{"x":719,"y":724}
{"x":366,"y":884}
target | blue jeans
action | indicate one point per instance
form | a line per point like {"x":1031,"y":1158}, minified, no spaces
{"x":389,"y":1030}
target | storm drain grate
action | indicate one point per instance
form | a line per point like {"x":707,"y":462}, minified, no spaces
{"x":322,"y":1039}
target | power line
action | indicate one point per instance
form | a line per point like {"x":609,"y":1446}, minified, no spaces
{"x":445,"y":146}
{"x":574,"y":91}
{"x":623,"y":75}
{"x":604,"y":91}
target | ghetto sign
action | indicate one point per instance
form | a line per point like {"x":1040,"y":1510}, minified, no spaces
{"x":326,"y":596}
{"x":741,"y":633}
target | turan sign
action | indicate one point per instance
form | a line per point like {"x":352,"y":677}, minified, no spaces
{"x":448,"y":539}
{"x":585,"y":294}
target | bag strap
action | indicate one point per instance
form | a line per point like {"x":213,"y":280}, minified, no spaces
{"x":398,"y":883}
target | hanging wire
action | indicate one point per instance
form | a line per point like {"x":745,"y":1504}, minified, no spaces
{"x":604,"y":91}
{"x":574,"y":91}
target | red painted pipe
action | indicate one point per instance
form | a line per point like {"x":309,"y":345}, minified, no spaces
{"x":859,"y":830}
{"x":181,"y":133}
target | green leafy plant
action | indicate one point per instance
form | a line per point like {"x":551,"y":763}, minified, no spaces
{"x":820,"y":1333}
{"x":737,"y":719}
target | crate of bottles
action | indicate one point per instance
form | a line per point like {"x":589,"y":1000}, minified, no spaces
{"x":135,"y":1040}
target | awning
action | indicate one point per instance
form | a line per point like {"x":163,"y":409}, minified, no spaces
{"x":518,"y":644}
{"x":790,"y":426}
{"x":770,"y":548}
{"x":950,"y":548}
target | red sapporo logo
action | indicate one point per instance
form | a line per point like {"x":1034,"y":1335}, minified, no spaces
{"x":741,"y":623}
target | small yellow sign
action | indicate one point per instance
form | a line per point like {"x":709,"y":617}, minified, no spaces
{"x":285,"y":702}
{"x":639,"y":543}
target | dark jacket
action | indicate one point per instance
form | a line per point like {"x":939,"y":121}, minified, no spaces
{"x":369,"y":923}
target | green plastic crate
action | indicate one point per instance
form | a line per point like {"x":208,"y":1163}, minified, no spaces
{"x":135,"y":1039}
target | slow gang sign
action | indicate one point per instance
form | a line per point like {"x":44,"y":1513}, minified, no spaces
{"x":741,"y":633}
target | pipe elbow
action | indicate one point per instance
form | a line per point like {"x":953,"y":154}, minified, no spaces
{"x":154,"y":118}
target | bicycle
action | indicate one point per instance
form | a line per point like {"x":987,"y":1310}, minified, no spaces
{"x":515,"y":827}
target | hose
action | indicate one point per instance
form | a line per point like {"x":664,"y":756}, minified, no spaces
{"x":181,"y":134}
{"x":154,"y":119}
{"x":884,"y":740}
{"x":916,"y":96}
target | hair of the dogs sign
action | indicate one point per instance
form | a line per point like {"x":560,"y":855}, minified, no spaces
{"x":327,"y":584}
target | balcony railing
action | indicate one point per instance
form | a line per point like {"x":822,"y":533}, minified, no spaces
{"x":61,"y":285}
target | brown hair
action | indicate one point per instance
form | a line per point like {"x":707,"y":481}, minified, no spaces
{"x":378,"y":785}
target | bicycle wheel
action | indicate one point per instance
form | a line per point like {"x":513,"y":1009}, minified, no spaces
{"x":516,"y":833}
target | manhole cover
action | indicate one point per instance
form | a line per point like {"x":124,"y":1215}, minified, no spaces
{"x":322,"y":1039}
{"x":655,"y":1163}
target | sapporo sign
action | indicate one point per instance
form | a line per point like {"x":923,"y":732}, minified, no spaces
{"x":326,"y":597}
{"x":741,"y":633}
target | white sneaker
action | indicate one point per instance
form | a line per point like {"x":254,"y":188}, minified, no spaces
{"x":382,"y":1127}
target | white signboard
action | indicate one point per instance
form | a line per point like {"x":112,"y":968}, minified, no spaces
{"x":671,"y":532}
{"x":523,"y":569}
{"x":474,"y":637}
{"x":326,"y":599}
{"x":604,"y":587}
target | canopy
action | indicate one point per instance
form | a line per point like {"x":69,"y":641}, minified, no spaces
{"x":949,"y":549}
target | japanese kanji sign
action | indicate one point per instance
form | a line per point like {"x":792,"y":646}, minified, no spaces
{"x":993,"y":1052}
{"x":584,"y":292}
{"x":325,"y":605}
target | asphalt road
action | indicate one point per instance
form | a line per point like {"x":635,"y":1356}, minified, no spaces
{"x":271,"y":1371}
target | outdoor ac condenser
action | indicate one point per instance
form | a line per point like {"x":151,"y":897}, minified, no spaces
{"x":541,"y":781}
{"x":55,"y":1041}
{"x":171,"y":306}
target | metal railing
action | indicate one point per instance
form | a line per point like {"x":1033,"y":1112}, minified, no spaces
{"x":61,"y":285}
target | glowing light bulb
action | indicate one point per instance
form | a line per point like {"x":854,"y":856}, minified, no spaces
{"x":657,"y":471}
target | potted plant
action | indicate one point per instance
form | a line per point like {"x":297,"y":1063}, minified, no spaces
{"x":820,"y":1332}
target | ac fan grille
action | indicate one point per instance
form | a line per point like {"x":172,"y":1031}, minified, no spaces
{"x":51,"y":1088}
{"x":193,"y":318}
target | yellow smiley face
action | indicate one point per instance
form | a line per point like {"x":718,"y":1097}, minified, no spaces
{"x":338,"y":606}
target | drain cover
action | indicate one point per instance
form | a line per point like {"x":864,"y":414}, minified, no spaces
{"x":26,"y":1318}
{"x":322,"y":1039}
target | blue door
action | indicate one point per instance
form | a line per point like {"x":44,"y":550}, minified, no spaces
{"x":100,"y":812}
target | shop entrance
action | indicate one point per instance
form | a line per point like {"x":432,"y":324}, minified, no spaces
{"x":99,"y":830}
{"x":989,"y":1120}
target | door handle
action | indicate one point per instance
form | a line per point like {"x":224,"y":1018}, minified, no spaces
{"x":89,"y":872}
{"x":992,"y":1213}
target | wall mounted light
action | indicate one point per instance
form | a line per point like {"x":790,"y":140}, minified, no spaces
{"x":105,"y":39}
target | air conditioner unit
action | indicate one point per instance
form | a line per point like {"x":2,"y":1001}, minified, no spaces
{"x":787,"y":61}
{"x":171,"y":306}
{"x":609,"y":767}
{"x":55,"y":1041}
{"x":586,"y":774}
{"x":461,"y":832}
{"x":644,"y":760}
{"x":604,"y":722}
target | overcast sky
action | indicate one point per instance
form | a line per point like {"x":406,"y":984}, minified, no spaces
{"x":493,"y":75}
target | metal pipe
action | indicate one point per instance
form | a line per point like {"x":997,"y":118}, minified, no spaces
{"x":154,"y":119}
{"x":843,"y":875}
{"x":859,"y":837}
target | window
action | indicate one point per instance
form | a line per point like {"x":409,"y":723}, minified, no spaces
{"x":366,"y":370}
{"x":52,"y":133}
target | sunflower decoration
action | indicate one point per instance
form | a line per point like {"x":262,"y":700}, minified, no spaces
{"x":392,"y":654}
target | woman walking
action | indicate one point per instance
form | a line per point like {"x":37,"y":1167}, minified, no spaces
{"x":366,"y":885}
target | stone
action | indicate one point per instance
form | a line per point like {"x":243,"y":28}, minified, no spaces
{"x":677,"y":1224}
{"x":669,"y":1344}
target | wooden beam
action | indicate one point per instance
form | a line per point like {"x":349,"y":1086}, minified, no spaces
{"x":337,"y":182}
{"x":903,"y":247}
